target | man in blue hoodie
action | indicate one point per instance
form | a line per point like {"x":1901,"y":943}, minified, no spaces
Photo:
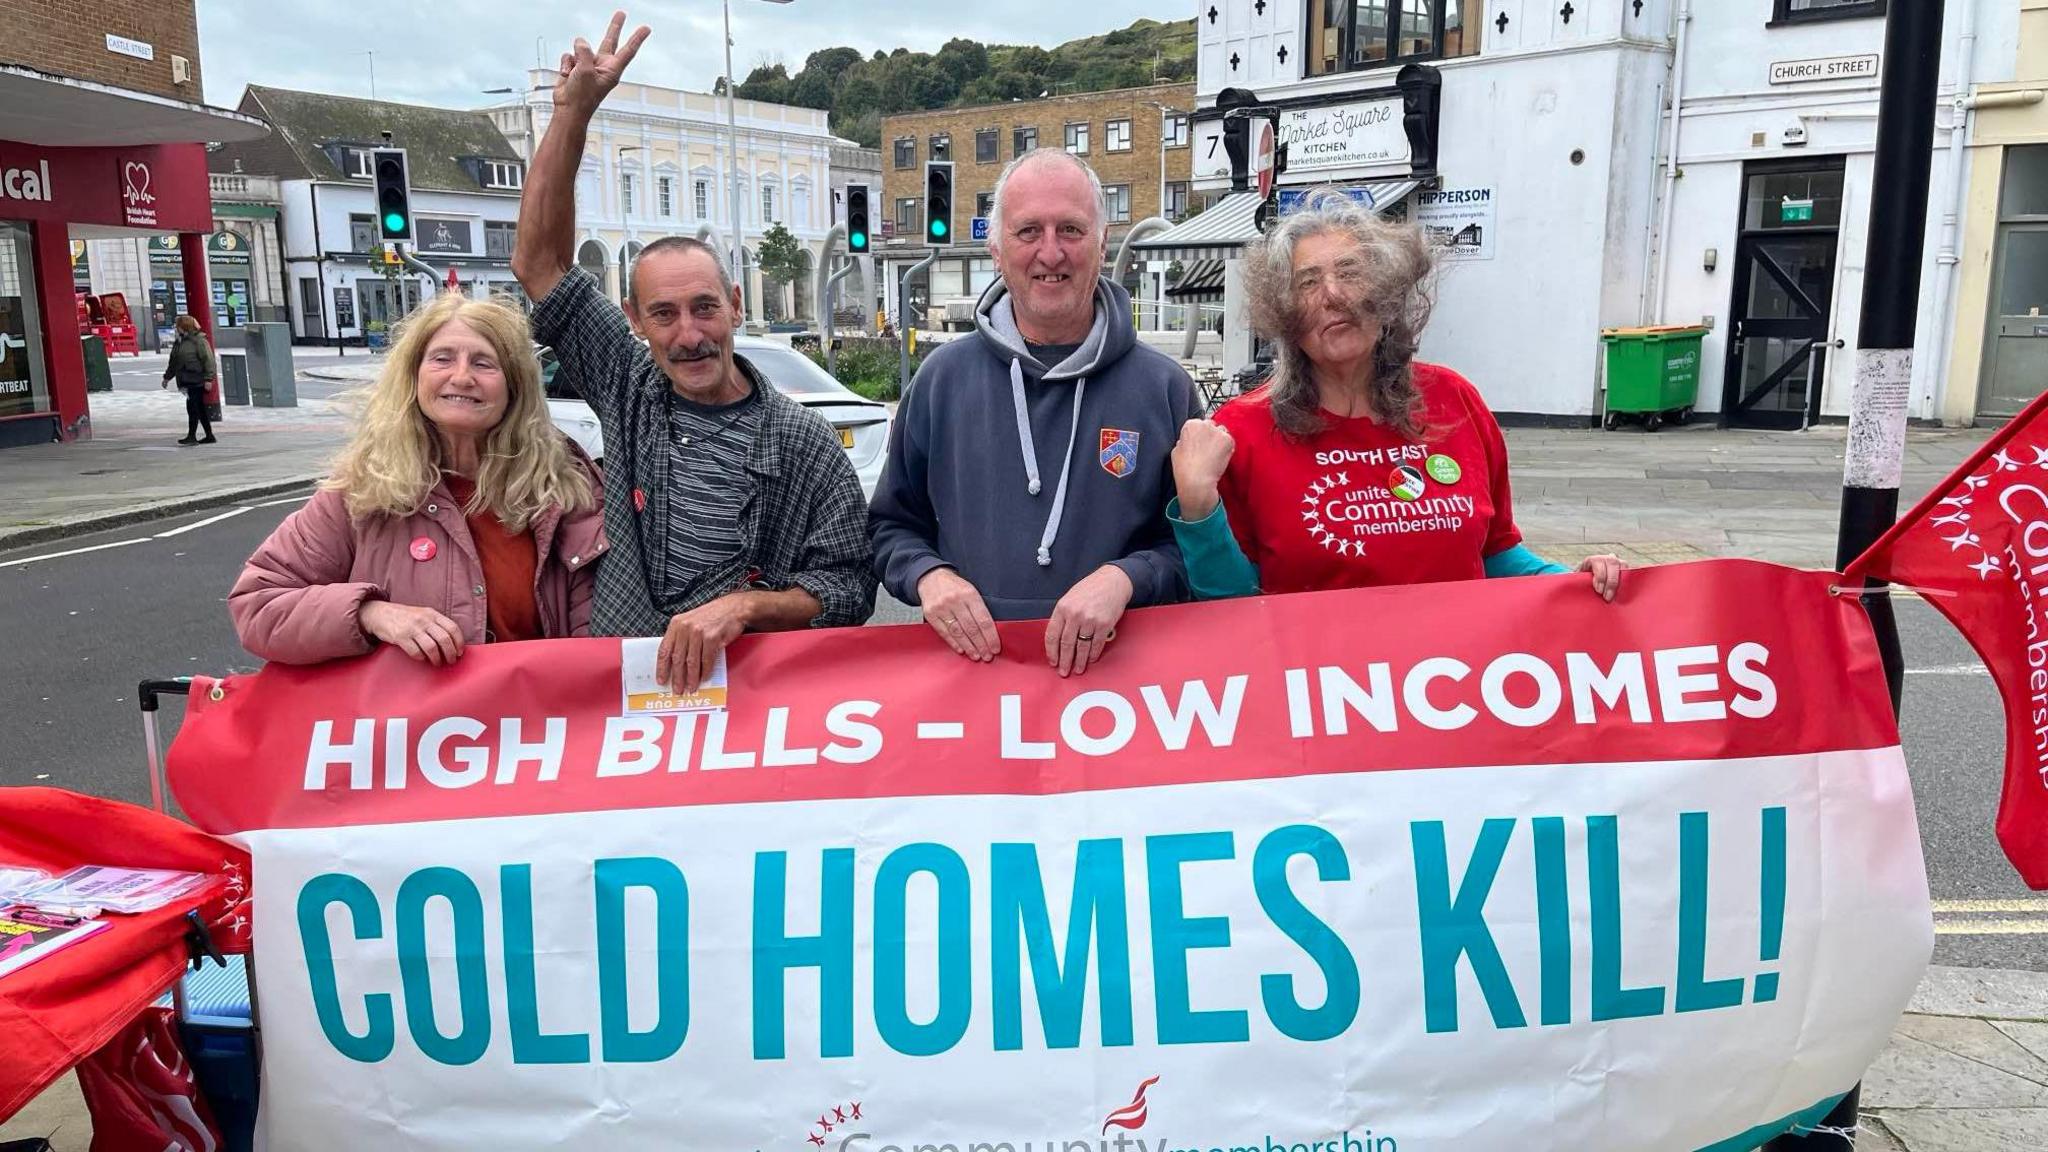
{"x":1028,"y":470}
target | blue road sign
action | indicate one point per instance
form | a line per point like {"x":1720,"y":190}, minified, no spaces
{"x":980,"y":228}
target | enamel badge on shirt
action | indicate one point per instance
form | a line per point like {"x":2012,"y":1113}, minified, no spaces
{"x":1119,"y":452}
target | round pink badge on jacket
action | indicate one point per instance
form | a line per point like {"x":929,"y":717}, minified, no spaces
{"x":422,"y":548}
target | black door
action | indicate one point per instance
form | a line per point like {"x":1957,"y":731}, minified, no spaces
{"x":1777,"y":351}
{"x":1784,"y":282}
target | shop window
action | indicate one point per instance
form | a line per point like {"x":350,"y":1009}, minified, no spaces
{"x":1022,"y":140}
{"x":1077,"y":139}
{"x":499,"y":237}
{"x":906,"y":151}
{"x":985,"y":146}
{"x":1807,"y":11}
{"x":1352,"y":35}
{"x":22,"y":387}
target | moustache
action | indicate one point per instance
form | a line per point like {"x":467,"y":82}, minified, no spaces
{"x":690,"y":354}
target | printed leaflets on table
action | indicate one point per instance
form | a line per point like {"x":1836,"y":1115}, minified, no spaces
{"x":641,"y":694}
{"x":27,"y":935}
{"x":18,"y":881}
{"x":129,"y":890}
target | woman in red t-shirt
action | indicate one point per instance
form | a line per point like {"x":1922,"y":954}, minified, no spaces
{"x":1353,"y":465}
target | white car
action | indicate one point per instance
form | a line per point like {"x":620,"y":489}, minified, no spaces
{"x":863,"y":424}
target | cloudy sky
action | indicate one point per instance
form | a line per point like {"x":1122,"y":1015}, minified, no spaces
{"x":447,"y":52}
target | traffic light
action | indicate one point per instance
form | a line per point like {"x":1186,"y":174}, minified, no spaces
{"x":857,"y":218}
{"x":938,"y":202}
{"x":393,"y":194}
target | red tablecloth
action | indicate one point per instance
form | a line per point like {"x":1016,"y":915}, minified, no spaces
{"x":62,"y":1008}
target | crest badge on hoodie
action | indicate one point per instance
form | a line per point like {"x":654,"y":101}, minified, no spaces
{"x":1119,"y":452}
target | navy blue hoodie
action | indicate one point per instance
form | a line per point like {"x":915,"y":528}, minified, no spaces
{"x":1026,"y":477}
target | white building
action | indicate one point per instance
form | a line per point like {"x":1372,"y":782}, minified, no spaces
{"x":656,"y":165}
{"x":465,"y":182}
{"x":244,"y":261}
{"x":1553,"y":124}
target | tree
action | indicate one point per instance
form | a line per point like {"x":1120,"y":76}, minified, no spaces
{"x":781,"y":258}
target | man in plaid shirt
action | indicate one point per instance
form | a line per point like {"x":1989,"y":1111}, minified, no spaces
{"x":729,"y":507}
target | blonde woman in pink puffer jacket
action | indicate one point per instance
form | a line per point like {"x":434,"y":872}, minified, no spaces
{"x":457,"y":515}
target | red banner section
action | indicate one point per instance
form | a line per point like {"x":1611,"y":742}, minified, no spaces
{"x":160,"y":187}
{"x":1708,"y":660}
{"x":1977,"y":548}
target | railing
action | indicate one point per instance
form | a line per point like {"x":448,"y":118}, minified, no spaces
{"x":1169,"y":316}
{"x":241,"y":186}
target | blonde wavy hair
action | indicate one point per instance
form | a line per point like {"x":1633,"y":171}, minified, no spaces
{"x":394,"y":459}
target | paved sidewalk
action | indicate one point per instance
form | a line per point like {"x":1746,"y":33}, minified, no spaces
{"x":1966,"y":1071}
{"x":133,"y":468}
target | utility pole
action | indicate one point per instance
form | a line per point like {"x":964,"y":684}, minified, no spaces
{"x":1876,"y":454}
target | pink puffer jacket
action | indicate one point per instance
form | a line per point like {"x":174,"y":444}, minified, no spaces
{"x":298,"y":597}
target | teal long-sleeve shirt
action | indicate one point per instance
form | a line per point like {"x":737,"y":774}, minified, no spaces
{"x":1219,"y":569}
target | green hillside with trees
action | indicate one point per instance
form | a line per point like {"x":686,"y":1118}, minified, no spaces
{"x":860,"y":91}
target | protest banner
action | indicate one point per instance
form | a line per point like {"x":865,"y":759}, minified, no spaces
{"x":1492,"y":865}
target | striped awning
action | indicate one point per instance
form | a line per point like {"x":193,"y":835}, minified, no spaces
{"x":1228,"y":225}
{"x":1202,"y":281}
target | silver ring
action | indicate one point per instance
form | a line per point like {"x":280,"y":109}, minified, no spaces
{"x":1085,"y":638}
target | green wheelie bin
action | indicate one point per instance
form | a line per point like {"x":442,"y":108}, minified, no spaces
{"x":1652,"y":374}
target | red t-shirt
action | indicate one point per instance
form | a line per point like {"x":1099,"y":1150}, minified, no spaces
{"x":510,"y":561}
{"x":1359,"y":505}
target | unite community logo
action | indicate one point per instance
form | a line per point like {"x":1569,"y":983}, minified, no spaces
{"x":831,"y":1131}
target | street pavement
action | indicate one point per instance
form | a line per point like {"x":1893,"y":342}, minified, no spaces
{"x":87,"y":615}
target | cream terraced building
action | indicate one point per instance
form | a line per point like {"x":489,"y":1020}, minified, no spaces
{"x":655,"y":165}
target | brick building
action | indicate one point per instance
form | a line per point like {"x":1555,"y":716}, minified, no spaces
{"x":102,"y":136}
{"x":1136,"y":139}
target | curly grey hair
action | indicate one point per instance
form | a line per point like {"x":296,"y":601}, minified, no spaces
{"x":1399,"y":291}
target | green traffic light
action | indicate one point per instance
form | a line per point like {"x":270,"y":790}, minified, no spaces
{"x":393,"y":222}
{"x":858,"y":239}
{"x":938,"y":227}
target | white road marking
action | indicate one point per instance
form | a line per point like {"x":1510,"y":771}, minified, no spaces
{"x":73,"y":552}
{"x":227,"y":515}
{"x":1972,"y":669}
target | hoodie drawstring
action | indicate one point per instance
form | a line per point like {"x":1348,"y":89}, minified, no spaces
{"x":1032,"y":485}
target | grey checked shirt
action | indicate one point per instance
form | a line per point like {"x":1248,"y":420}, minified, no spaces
{"x":803,"y":523}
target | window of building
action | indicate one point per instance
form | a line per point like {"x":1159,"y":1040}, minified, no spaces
{"x":767,"y":203}
{"x":1179,"y":133}
{"x":1116,"y":198}
{"x":984,"y":204}
{"x":906,"y":216}
{"x":1116,"y":136}
{"x":1350,"y":35}
{"x":906,"y":151}
{"x":626,"y":193}
{"x":985,"y":145}
{"x":1077,"y":139}
{"x":700,"y":194}
{"x":1176,"y":199}
{"x":362,"y":233}
{"x":1022,"y":140}
{"x":1801,"y":11}
{"x":502,"y":174}
{"x":356,"y":162}
{"x":665,"y":195}
{"x":941,"y":145}
{"x":498,"y":237}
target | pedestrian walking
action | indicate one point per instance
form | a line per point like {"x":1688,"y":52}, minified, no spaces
{"x":192,"y":367}
{"x":458,"y":513}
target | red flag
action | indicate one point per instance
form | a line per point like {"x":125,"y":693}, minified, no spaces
{"x":1977,"y":546}
{"x":142,"y":1094}
{"x":58,"y":1010}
